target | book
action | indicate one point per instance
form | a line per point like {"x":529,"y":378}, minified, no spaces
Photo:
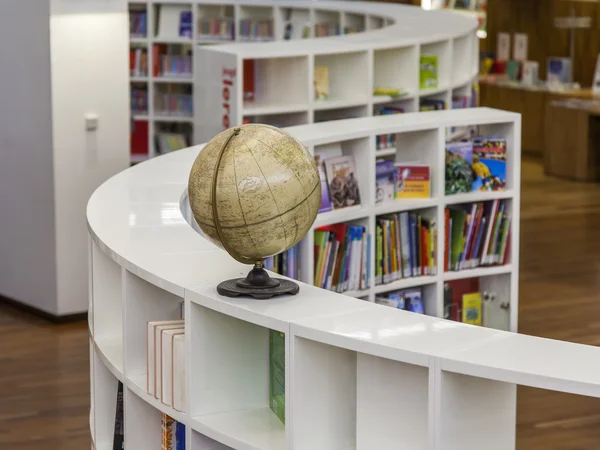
{"x":410,"y":299}
{"x":248,"y":79}
{"x":471,"y":308}
{"x":168,"y":432}
{"x":385,"y":180}
{"x":179,"y":436}
{"x":119,"y":433}
{"x":277,"y":373}
{"x":559,"y":70}
{"x":428,"y":72}
{"x":170,"y":142}
{"x":459,"y":171}
{"x":343,"y":181}
{"x":412,"y":181}
{"x":513,"y":70}
{"x":152,"y":332}
{"x":167,"y":365}
{"x":489,"y":164}
{"x":384,"y":141}
{"x":325,"y":200}
{"x":321,"y":82}
{"x":531,"y":72}
{"x":179,"y":370}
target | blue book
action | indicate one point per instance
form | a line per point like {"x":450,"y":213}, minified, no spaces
{"x":185,"y":24}
{"x":489,"y":164}
{"x":414,"y":301}
{"x":143,"y":19}
{"x":414,"y":263}
{"x":180,"y":436}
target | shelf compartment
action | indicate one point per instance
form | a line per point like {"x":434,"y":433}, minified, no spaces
{"x":214,"y":16}
{"x":327,"y":23}
{"x":348,"y":75}
{"x":397,"y":68}
{"x":353,"y":23}
{"x":461,"y":60}
{"x":105,"y":386}
{"x":144,"y":303}
{"x":442,"y":50}
{"x":391,"y":392}
{"x":293,"y":23}
{"x":257,"y":429}
{"x":324,"y":396}
{"x":137,"y":385}
{"x":200,"y":442}
{"x":469,"y":403}
{"x":249,"y":14}
{"x":279,"y":120}
{"x":142,"y":423}
{"x":323,"y":113}
{"x":375,"y":22}
{"x":108,"y":306}
{"x":273,"y":84}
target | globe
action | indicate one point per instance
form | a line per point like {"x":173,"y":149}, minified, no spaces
{"x":255,"y":191}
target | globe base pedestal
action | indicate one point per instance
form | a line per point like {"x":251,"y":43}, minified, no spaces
{"x":257,"y":284}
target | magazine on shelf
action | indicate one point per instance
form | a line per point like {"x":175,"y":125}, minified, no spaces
{"x":343,"y":181}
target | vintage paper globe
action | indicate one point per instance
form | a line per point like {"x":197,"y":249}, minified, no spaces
{"x":267,"y":191}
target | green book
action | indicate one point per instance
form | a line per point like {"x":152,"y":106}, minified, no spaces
{"x":428,"y":72}
{"x":277,"y":373}
{"x":459,"y":218}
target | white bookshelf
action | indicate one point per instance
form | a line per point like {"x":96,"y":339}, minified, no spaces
{"x":352,"y":367}
{"x":384,"y":51}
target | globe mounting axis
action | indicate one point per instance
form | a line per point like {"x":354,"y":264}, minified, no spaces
{"x":255,"y":191}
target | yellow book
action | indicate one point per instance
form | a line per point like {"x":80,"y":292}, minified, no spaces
{"x":471,"y":308}
{"x":321,"y":83}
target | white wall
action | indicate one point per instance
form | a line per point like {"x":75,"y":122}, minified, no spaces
{"x":90,"y":74}
{"x":27,"y":229}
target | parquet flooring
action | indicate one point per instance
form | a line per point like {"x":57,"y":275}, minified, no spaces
{"x":44,"y":368}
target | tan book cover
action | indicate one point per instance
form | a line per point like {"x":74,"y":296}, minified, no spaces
{"x":321,"y":83}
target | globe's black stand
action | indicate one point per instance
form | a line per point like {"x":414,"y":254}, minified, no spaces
{"x":257,"y":284}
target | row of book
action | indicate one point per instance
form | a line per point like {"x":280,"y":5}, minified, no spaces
{"x":138,"y":62}
{"x":477,"y":164}
{"x":327,"y":29}
{"x":169,"y":142}
{"x":401,"y":180}
{"x":165,"y":362}
{"x":138,"y":23}
{"x":385,"y":141}
{"x":139,"y":101}
{"x":405,"y":247}
{"x":476,"y":235}
{"x":175,"y":66}
{"x":339,"y":181}
{"x":405,"y":299}
{"x":172,"y":433}
{"x":286,"y":263}
{"x":171,"y":104}
{"x":342,"y":255}
{"x":216,"y":28}
{"x":256,"y":29}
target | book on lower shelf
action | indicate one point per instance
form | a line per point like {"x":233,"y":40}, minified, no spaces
{"x":477,"y":235}
{"x":326,"y":205}
{"x":220,"y":28}
{"x":327,"y":29}
{"x":428,"y":71}
{"x":431,"y":104}
{"x":138,"y":22}
{"x":277,"y":373}
{"x":286,"y":263}
{"x":385,"y":141}
{"x":405,"y":247}
{"x":342,"y":254}
{"x":138,"y":62}
{"x":406,"y":299}
{"x":172,"y":433}
{"x":119,"y":433}
{"x":342,"y":179}
{"x":256,"y":30}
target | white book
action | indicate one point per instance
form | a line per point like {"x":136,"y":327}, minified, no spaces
{"x":179,"y":382}
{"x":151,"y":353}
{"x":166,"y":365}
{"x":158,"y":354}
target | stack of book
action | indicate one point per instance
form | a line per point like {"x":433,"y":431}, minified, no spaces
{"x":342,"y":258}
{"x":165,"y":362}
{"x":139,"y":101}
{"x":175,"y":66}
{"x":138,"y":62}
{"x":405,"y":299}
{"x":256,"y":30}
{"x":173,"y":104}
{"x":216,"y":28}
{"x":137,"y":23}
{"x":327,"y":29}
{"x":405,"y":247}
{"x":387,"y":140}
{"x":476,"y":235}
{"x":286,"y":263}
{"x":173,"y":433}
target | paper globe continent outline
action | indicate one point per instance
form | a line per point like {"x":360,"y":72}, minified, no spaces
{"x":268,"y":191}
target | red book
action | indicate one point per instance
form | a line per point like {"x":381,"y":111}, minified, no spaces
{"x":131,"y":61}
{"x":139,"y":138}
{"x":249,"y":79}
{"x":478,"y":217}
{"x":156,"y":52}
{"x":460,"y":288}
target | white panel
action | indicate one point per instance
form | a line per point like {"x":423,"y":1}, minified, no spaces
{"x":142,"y":424}
{"x":475,"y":414}
{"x":105,"y":404}
{"x":222,"y":349}
{"x":323,"y":396}
{"x":348,"y":76}
{"x":108,"y":303}
{"x":144,"y":302}
{"x":89,"y":60}
{"x":392,"y":405}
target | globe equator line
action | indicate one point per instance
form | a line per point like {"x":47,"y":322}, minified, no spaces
{"x":318,"y":184}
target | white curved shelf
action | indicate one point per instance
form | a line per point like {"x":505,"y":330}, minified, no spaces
{"x":344,"y":355}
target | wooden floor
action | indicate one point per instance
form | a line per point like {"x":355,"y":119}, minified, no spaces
{"x":44,"y":380}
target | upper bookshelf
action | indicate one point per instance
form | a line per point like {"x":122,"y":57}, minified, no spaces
{"x":369,"y":55}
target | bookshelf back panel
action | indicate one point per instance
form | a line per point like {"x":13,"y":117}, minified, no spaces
{"x":397,"y":68}
{"x":256,"y":12}
{"x":300,"y":21}
{"x":323,"y":397}
{"x":497,"y":303}
{"x":462,"y":55}
{"x":392,"y":405}
{"x":421,"y":147}
{"x":144,"y":303}
{"x":223,"y":348}
{"x":107,"y":295}
{"x":374,"y":22}
{"x":409,"y":105}
{"x":505,"y":131}
{"x":327,"y":16}
{"x":142,"y":424}
{"x":354,"y":22}
{"x":280,"y":81}
{"x":348,"y":75}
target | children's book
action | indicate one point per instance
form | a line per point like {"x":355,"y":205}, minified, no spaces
{"x":179,"y":436}
{"x":489,"y":164}
{"x":413,"y":181}
{"x":385,"y":180}
{"x":471,"y":308}
{"x":560,"y":70}
{"x":459,"y":171}
{"x":321,"y":83}
{"x":414,"y":301}
{"x":277,"y":373}
{"x":428,"y":72}
{"x":325,"y":200}
{"x":343,"y":181}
